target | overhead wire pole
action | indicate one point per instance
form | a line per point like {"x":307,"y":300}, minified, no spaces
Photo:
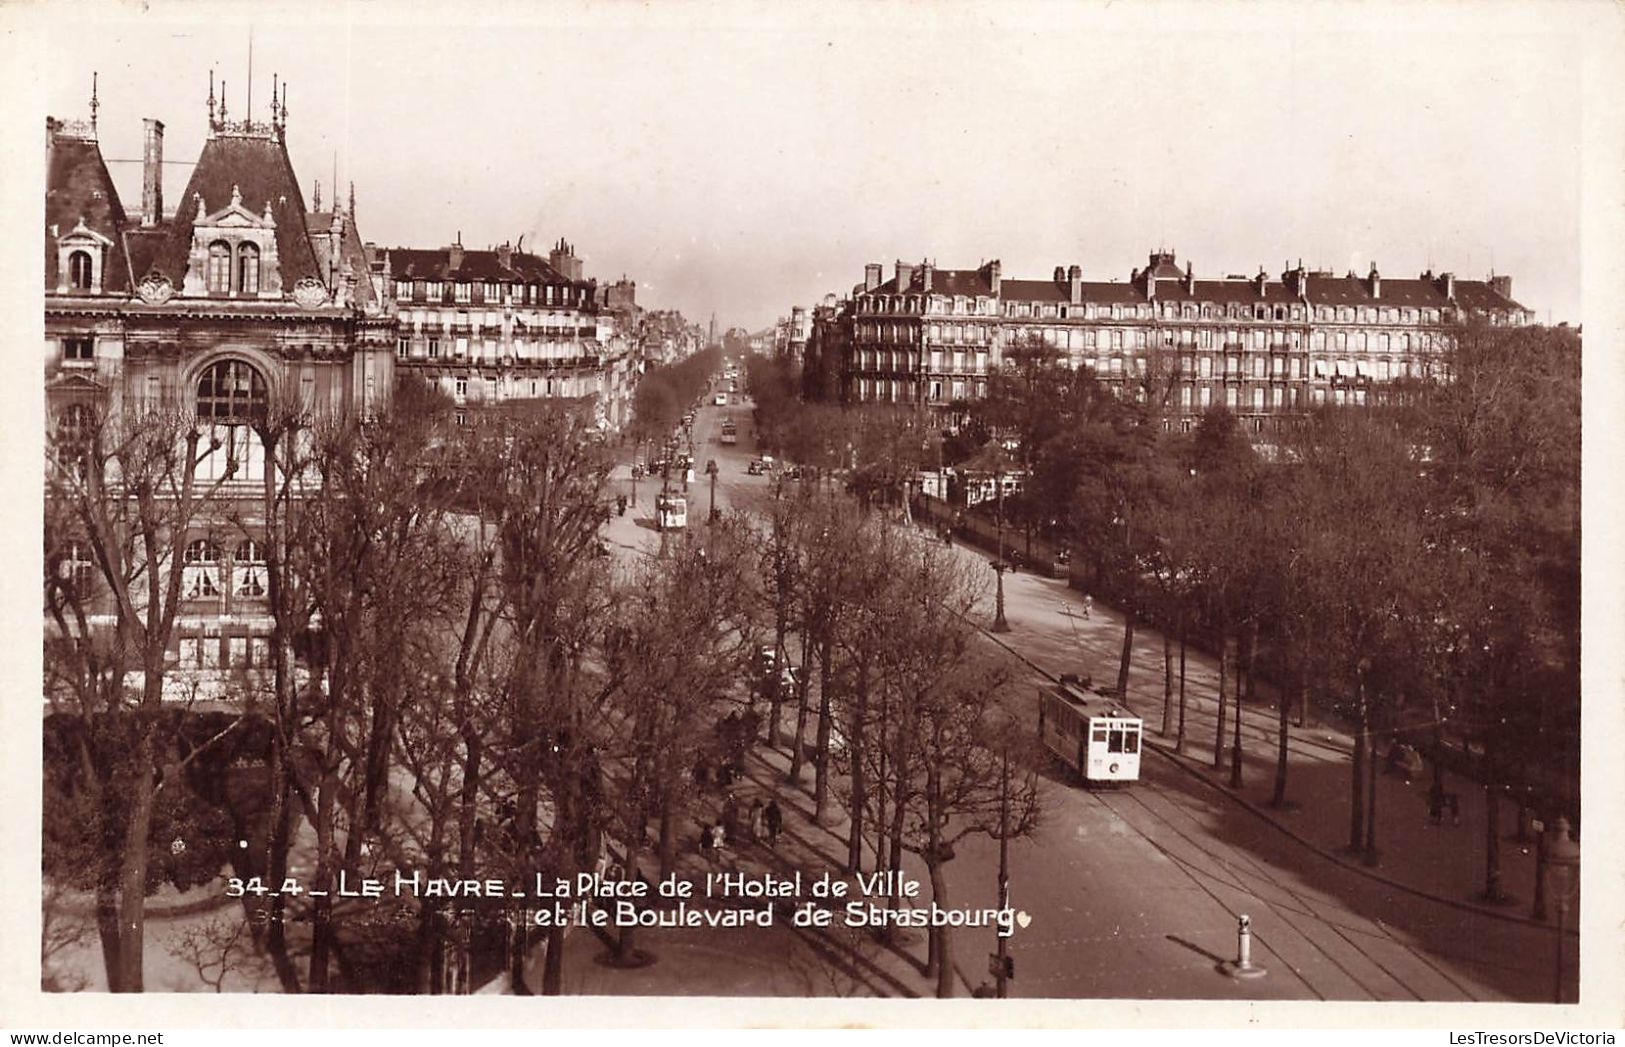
{"x":1002,"y":973}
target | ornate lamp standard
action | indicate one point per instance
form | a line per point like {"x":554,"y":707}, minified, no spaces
{"x":1563,"y":870}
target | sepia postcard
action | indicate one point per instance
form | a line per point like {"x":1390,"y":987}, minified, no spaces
{"x":885,"y":514}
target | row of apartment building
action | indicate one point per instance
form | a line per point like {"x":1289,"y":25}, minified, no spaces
{"x":1262,"y":346}
{"x":243,"y":298}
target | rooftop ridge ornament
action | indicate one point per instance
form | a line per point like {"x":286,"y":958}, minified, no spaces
{"x":214,"y":125}
{"x":95,"y":103}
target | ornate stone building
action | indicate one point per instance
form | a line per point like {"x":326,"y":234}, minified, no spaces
{"x":503,"y":324}
{"x":237,"y":302}
{"x":1263,"y":347}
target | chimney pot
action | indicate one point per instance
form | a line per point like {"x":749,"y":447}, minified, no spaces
{"x":152,"y":174}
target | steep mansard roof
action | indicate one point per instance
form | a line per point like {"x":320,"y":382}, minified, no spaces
{"x":78,"y":188}
{"x":412,"y":263}
{"x":259,"y":167}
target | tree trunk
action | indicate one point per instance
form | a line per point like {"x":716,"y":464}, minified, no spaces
{"x":941,"y":941}
{"x":821,"y":743}
{"x":1128,"y":654}
{"x":668,"y":835}
{"x":1278,"y":799}
{"x":798,"y":754}
{"x":1235,"y":741}
{"x":1224,"y":682}
{"x":855,"y":732}
{"x":1371,"y":795}
{"x":775,"y":690}
{"x":107,"y":929}
{"x":1493,"y":891}
{"x":1167,"y":682}
{"x":1179,"y":739}
{"x":1357,"y":771}
{"x":626,"y":945}
{"x":133,"y":868}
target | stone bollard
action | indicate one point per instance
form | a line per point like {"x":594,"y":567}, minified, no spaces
{"x":1243,"y":967}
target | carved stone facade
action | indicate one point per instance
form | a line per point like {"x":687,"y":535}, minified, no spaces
{"x":241,"y":300}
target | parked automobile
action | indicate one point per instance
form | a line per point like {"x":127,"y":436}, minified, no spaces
{"x":755,"y":468}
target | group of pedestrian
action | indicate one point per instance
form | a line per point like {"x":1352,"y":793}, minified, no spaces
{"x":762,"y":823}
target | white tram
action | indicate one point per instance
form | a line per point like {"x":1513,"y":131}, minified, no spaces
{"x":671,"y":512}
{"x":1093,"y":734}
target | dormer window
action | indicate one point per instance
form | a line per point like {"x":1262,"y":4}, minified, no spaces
{"x":248,"y":269}
{"x":81,"y":271}
{"x":219,"y":275}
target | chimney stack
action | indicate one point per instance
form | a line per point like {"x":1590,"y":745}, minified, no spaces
{"x":454,"y":254}
{"x":1375,"y":282}
{"x":505,"y":255}
{"x":926,"y":269}
{"x":1502,"y":285}
{"x":993,"y":275}
{"x":1074,"y":284}
{"x":905,"y":275}
{"x":1259,"y":281}
{"x":1190,"y":278}
{"x":871,"y":276}
{"x":1449,"y":285}
{"x":152,"y":174}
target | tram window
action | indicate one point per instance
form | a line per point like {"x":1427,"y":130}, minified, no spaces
{"x":1098,"y":735}
{"x":1131,"y":741}
{"x":1116,"y":744}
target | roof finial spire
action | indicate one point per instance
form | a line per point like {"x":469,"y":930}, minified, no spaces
{"x":222,"y":100}
{"x":95,"y":103}
{"x":211,"y":100}
{"x":352,"y":201}
{"x":316,"y":197}
{"x":274,"y":110}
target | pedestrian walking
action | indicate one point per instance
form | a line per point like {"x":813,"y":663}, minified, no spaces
{"x":730,"y":815}
{"x":1088,"y":605}
{"x":754,"y":821}
{"x":774,"y":819}
{"x":708,"y":844}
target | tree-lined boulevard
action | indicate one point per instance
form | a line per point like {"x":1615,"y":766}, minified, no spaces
{"x":489,"y":662}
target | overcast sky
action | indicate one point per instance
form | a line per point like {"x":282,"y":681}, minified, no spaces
{"x":744,"y":159}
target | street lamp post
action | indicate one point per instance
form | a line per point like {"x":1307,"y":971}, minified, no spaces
{"x":1002,"y":974}
{"x":999,"y":624}
{"x":1563,"y":866}
{"x":711,"y":471}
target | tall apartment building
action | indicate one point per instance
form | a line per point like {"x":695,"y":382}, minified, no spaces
{"x":1260,"y":346}
{"x":238,"y":301}
{"x":504,"y":324}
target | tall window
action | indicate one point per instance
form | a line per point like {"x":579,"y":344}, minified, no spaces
{"x":75,"y":428}
{"x":77,"y":569}
{"x":202,"y":570}
{"x":231,"y":396}
{"x":79,"y":270}
{"x":81,"y":349}
{"x":249,"y":567}
{"x":219,"y":272}
{"x":248,"y":269}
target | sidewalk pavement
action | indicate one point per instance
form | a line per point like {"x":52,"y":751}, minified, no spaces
{"x":1055,"y":631}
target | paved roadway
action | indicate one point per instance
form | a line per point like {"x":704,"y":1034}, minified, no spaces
{"x":1134,"y":893}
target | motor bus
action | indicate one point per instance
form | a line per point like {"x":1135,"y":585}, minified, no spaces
{"x":671,"y":512}
{"x":1091,"y":733}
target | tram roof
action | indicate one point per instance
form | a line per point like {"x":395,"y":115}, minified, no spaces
{"x":1088,"y":703}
